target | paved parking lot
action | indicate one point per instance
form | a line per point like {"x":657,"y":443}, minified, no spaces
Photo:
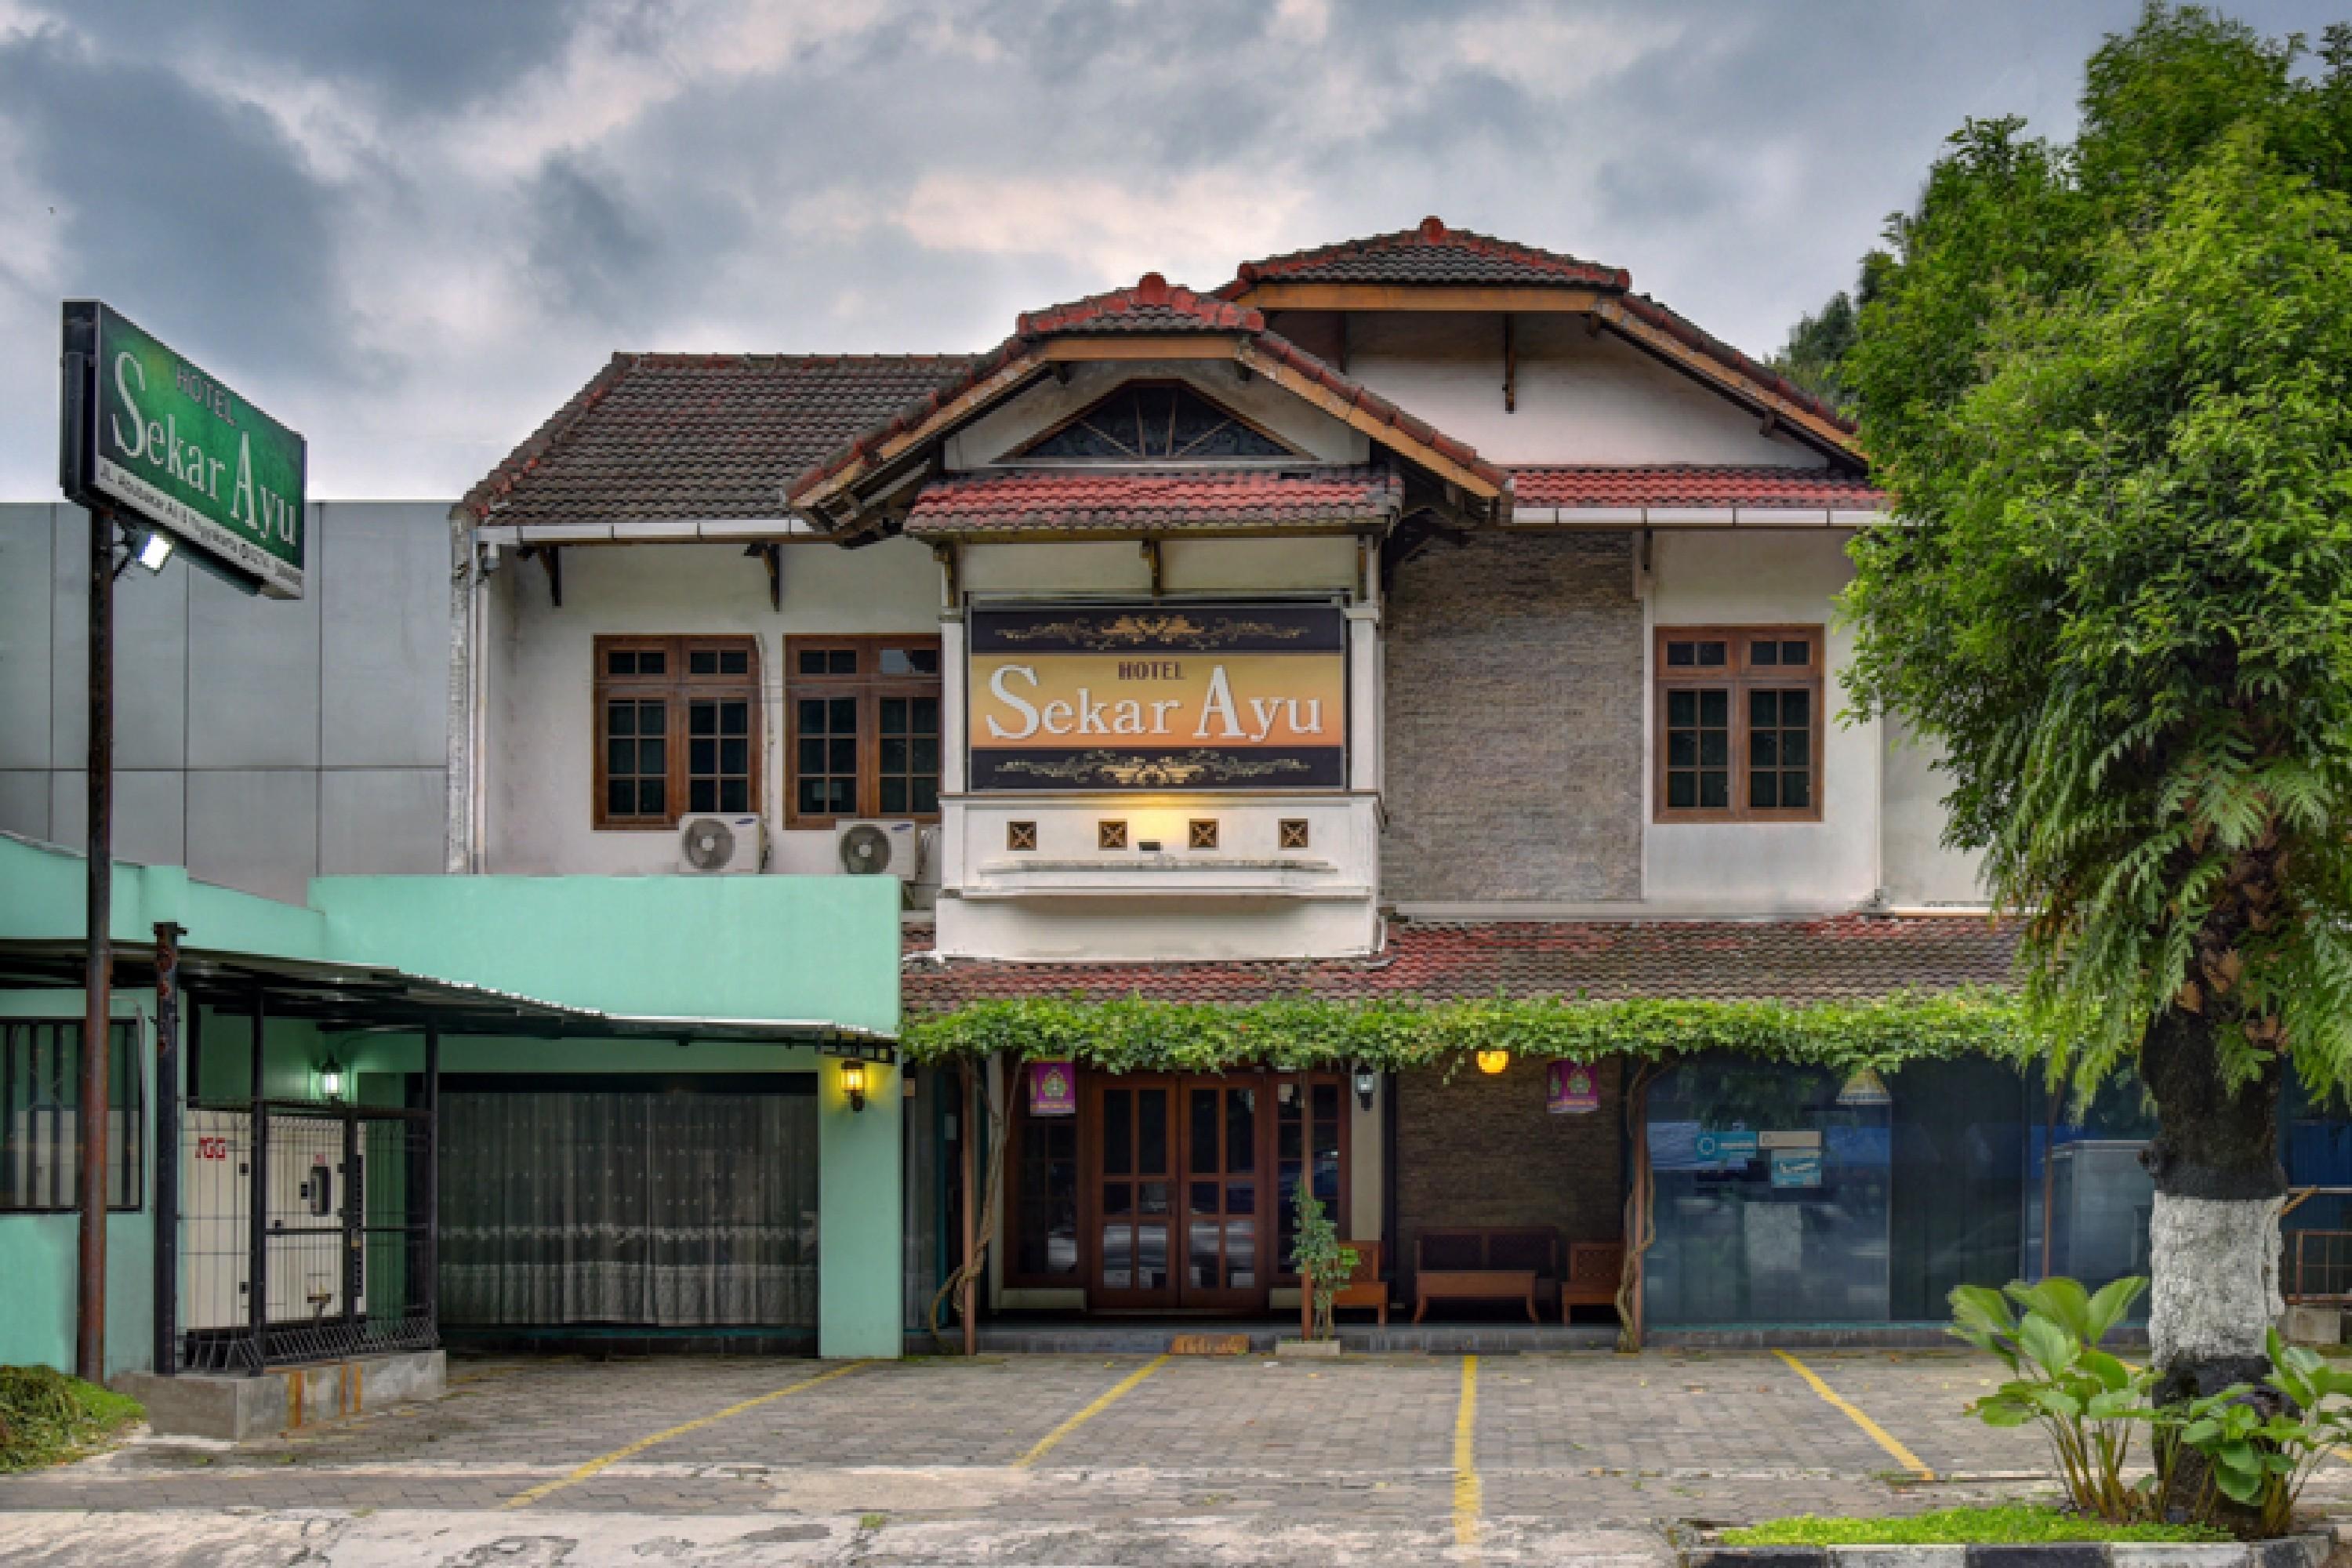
{"x":1056,"y":1459}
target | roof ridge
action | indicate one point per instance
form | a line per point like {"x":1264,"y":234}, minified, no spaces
{"x":1432,"y":232}
{"x":1151,"y":291}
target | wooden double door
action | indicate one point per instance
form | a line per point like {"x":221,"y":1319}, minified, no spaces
{"x":1187,"y":1179}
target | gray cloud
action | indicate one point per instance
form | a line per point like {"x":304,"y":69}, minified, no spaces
{"x":414,"y":229}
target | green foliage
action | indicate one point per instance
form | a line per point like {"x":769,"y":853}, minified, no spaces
{"x":2001,"y":1524}
{"x":2259,"y":1451}
{"x":1138,"y":1035}
{"x":2110,"y":385}
{"x":2086,"y":1400}
{"x":47,"y":1418}
{"x":1320,"y":1259}
{"x":1814,"y":355}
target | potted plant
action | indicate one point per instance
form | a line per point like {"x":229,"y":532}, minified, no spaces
{"x":1324,"y":1267}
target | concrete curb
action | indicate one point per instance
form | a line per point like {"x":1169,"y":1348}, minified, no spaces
{"x":2306,"y":1551}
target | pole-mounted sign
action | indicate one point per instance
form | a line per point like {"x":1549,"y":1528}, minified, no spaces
{"x":157,"y":449}
{"x":148,"y":432}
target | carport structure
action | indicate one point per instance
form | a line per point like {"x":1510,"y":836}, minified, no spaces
{"x":647,"y":1079}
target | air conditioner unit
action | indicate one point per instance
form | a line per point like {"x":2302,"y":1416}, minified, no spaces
{"x":873,"y":849}
{"x":722,"y":846}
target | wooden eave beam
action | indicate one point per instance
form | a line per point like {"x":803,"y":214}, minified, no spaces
{"x":1133,"y":346}
{"x":1801,"y":421}
{"x":1380,"y":430}
{"x":1277,"y":296}
{"x":1153,"y":540}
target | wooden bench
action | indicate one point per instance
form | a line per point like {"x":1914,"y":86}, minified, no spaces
{"x":1365,"y":1287}
{"x":1485,"y":1263}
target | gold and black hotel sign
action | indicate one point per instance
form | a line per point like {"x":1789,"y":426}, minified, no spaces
{"x":1158,"y":697}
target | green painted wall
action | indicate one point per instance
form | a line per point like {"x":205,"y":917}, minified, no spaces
{"x":822,"y":950}
{"x":819,"y":948}
{"x":40,"y":1253}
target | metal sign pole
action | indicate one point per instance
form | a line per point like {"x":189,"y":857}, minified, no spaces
{"x":97,"y":1033}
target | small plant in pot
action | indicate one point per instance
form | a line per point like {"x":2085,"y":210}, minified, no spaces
{"x":1324,"y":1265}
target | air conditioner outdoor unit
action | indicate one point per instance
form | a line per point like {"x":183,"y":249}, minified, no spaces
{"x":873,"y":849}
{"x":722,"y":846}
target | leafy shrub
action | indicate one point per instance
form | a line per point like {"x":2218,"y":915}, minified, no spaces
{"x":2257,"y":1456}
{"x":2086,"y":1402}
{"x":1324,"y":1265}
{"x":47,"y":1417}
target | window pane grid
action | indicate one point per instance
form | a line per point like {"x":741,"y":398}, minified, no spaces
{"x":40,"y":1136}
{"x":865,"y":728}
{"x":677,"y":724}
{"x":1737,"y":719}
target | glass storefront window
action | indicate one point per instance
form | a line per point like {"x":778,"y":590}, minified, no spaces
{"x":1771,"y":1197}
{"x":1960,"y":1183}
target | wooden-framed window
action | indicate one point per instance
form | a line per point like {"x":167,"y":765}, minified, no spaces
{"x":677,"y":728}
{"x":1739,"y":724}
{"x":863,"y":729}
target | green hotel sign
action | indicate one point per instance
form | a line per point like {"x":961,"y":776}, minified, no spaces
{"x":150,"y":433}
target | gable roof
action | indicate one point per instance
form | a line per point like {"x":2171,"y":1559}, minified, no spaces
{"x":1846,"y":957}
{"x":1433,"y":256}
{"x":1127,"y":502}
{"x":1428,"y":254}
{"x":1152,"y":309}
{"x":671,"y":436}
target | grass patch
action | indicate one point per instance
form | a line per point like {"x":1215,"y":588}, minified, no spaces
{"x":47,"y":1418}
{"x":2006,"y":1524}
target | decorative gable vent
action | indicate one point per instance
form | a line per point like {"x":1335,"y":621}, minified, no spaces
{"x":1155,"y":422}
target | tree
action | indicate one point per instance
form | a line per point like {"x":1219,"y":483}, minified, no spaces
{"x":2109,"y":384}
{"x":1814,"y":355}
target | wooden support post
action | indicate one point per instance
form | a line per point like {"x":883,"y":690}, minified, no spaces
{"x":431,"y":1266}
{"x":257,"y":1262}
{"x":966,"y":1296}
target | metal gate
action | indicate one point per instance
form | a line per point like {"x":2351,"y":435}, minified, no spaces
{"x":304,"y":1233}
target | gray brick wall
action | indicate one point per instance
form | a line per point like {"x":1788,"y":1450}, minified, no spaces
{"x":1482,"y":1151}
{"x":1514,"y":721}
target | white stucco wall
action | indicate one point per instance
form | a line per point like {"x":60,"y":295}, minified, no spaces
{"x":541,"y":748}
{"x":1581,"y":399}
{"x":1744,"y":578}
{"x":1917,"y":867}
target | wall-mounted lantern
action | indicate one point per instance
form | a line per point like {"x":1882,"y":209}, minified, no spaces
{"x":852,"y":1082}
{"x":1492,"y":1063}
{"x":1367,"y":1083}
{"x":330,"y":1078}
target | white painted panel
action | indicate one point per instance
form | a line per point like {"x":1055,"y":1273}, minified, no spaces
{"x":256,"y":831}
{"x":1109,"y":566}
{"x":381,"y":821}
{"x":383,"y":581}
{"x":150,"y":814}
{"x":1763,"y":579}
{"x":1581,"y":399}
{"x":26,"y":692}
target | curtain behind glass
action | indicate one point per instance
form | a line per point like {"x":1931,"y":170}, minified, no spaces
{"x":674,"y":1209}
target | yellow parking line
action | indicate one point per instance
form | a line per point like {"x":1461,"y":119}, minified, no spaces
{"x":525,"y":1499}
{"x":1879,"y":1435}
{"x":1118,"y":1391}
{"x":1468,"y":1495}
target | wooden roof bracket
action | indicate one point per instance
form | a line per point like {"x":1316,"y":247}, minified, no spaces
{"x":1150,"y":551}
{"x":1510,"y":368}
{"x":771,"y":555}
{"x":951,"y":565}
{"x":552,"y":557}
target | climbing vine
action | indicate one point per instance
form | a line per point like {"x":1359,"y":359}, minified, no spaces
{"x":1134,"y":1035}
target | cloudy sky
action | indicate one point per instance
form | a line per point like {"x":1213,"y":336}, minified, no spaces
{"x":412,"y":229}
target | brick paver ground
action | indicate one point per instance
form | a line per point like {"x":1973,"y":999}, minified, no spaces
{"x":1607,"y":1442}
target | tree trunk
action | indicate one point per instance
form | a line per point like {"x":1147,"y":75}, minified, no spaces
{"x":2214,"y":1240}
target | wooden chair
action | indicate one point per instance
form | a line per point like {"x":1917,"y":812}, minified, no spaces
{"x":1595,"y":1269}
{"x":1365,"y":1287}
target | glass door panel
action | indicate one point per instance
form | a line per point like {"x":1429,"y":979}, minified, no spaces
{"x":1135,"y":1185}
{"x":1222,"y":1267}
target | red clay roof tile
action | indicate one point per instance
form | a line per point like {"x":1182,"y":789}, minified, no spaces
{"x":1096,"y":500}
{"x":1848,"y":957}
{"x":1686,"y":485}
